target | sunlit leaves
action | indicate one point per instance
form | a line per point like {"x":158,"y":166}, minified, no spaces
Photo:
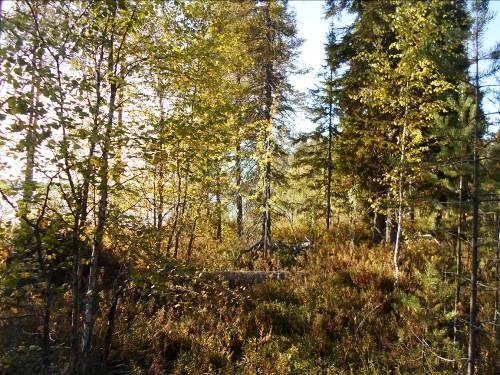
{"x":401,"y":81}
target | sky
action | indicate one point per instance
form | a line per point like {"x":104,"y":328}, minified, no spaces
{"x":313,"y":29}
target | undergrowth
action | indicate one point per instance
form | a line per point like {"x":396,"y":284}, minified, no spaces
{"x":338,"y":312}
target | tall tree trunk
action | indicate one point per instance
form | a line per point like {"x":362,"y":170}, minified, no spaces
{"x":192,"y":236}
{"x":91,"y":302}
{"x":80,"y":222}
{"x":178,"y":234}
{"x":46,"y":274}
{"x":496,"y":317}
{"x":91,"y":297}
{"x":473,"y":349}
{"x":266,"y":219}
{"x":397,"y":244}
{"x":28,"y":189}
{"x":329,"y":162}
{"x":389,"y":228}
{"x":47,"y":308}
{"x":458,"y":257}
{"x":239,"y":199}
{"x":218,"y":234}
{"x":161,"y":184}
{"x":159,"y":210}
{"x":173,"y":233}
{"x":268,"y":104}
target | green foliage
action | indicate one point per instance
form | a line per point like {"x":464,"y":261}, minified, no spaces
{"x":145,"y":143}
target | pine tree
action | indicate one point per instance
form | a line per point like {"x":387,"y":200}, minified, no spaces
{"x":316,"y":148}
{"x":273,"y":42}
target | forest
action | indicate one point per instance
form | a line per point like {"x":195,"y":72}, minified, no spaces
{"x":162,"y":213}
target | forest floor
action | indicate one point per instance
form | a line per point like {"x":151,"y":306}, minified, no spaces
{"x":333,"y":309}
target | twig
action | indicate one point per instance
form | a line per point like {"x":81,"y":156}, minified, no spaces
{"x":429,"y":348}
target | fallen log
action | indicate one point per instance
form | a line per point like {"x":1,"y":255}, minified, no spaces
{"x":261,"y":246}
{"x":238,"y":278}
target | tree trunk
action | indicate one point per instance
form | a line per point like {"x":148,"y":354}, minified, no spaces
{"x":397,"y":244}
{"x":239,"y":199}
{"x":192,"y":236}
{"x":117,"y":291}
{"x":330,"y":163}
{"x":379,"y":223}
{"x":389,"y":238}
{"x":79,"y":225}
{"x":161,"y":176}
{"x":268,"y":104}
{"x":28,"y":189}
{"x":180,"y":227}
{"x":496,"y":317}
{"x":458,"y":256}
{"x":266,"y":219}
{"x":46,"y":327}
{"x":218,"y":234}
{"x":390,"y":229}
{"x":45,"y":368}
{"x":173,"y":233}
{"x":159,"y":211}
{"x":473,"y":349}
{"x":91,"y":303}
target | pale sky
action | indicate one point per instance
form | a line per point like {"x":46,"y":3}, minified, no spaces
{"x":313,"y":29}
